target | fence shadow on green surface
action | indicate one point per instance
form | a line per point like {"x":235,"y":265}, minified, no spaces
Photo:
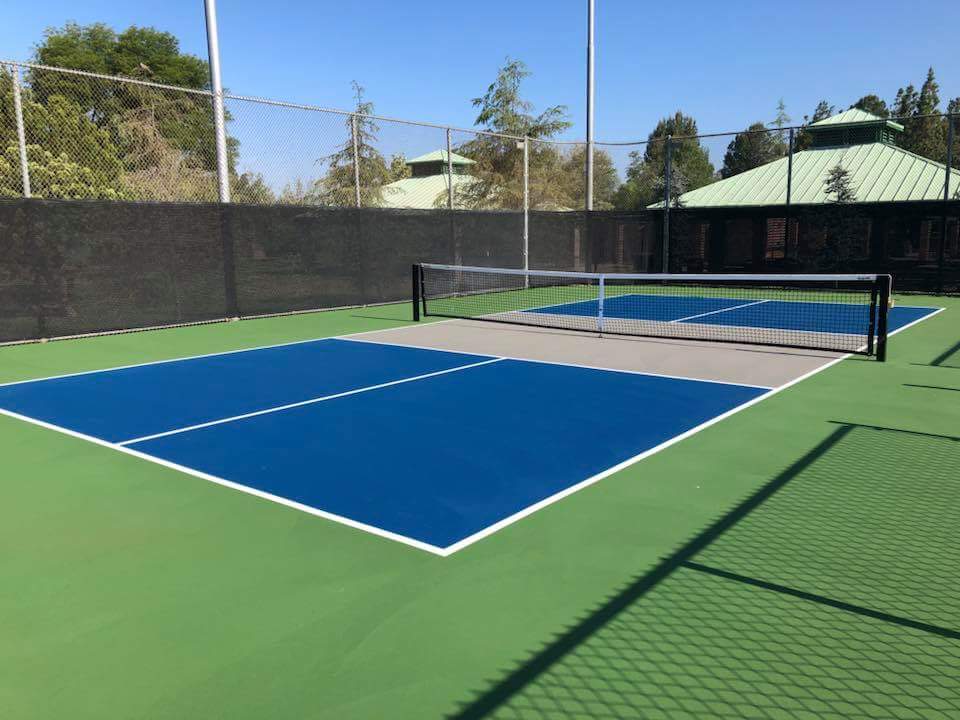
{"x":829,"y":592}
{"x":949,"y":358}
{"x":931,"y":387}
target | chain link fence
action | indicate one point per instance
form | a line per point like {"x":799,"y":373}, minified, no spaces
{"x":852,"y":192}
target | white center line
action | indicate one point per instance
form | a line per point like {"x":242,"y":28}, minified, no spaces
{"x":301,"y":403}
{"x":722,"y":310}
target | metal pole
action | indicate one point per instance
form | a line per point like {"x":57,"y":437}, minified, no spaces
{"x":356,"y":159}
{"x":21,"y":131}
{"x":449,"y":172}
{"x":589,"y":149}
{"x":786,"y":224}
{"x":219,"y":122}
{"x":526,"y":210}
{"x":941,"y":256}
{"x":667,"y":162}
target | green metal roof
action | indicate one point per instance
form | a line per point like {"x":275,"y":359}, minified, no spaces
{"x":441,"y":156}
{"x":853,"y":116}
{"x":878,"y":173}
{"x":422,"y":192}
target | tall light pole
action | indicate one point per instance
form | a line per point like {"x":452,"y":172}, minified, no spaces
{"x":589,"y":164}
{"x":219,"y":123}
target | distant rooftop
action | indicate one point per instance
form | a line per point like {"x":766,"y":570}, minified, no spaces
{"x":441,"y":156}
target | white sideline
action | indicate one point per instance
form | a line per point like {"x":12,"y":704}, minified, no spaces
{"x":301,"y":403}
{"x":227,"y":483}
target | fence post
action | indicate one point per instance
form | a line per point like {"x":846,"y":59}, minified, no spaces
{"x":786,"y":220}
{"x":449,"y":172}
{"x":667,"y":175}
{"x":588,"y":179}
{"x":21,"y":131}
{"x":356,"y":160}
{"x":219,"y":122}
{"x":941,"y":256}
{"x":526,"y":209}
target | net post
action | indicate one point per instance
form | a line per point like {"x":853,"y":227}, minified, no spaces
{"x":415,"y":291}
{"x":872,"y":328}
{"x":600,"y":293}
{"x":885,"y":283}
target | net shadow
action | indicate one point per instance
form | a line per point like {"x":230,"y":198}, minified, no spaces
{"x":827,"y":593}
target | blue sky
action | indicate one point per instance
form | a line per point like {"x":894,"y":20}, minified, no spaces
{"x":727,"y":63}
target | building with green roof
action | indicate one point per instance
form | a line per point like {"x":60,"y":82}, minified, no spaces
{"x":428,"y":184}
{"x":752,"y":221}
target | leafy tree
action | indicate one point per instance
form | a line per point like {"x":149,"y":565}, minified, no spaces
{"x":690,"y":164}
{"x":399,"y":168}
{"x":251,"y":188}
{"x":295,"y":193}
{"x":338,"y":186}
{"x":143,"y":53}
{"x":750,"y":149}
{"x":498,"y":172}
{"x":52,"y":175}
{"x":67,"y":152}
{"x":605,"y":180}
{"x":873,"y":105}
{"x":838,"y":185}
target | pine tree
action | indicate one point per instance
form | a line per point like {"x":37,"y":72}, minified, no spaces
{"x":338,"y":186}
{"x":873,"y":105}
{"x":838,"y":185}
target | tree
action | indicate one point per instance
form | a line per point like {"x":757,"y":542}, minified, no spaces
{"x":803,"y":139}
{"x":399,"y":168}
{"x":498,"y":172}
{"x":750,"y":149}
{"x":250,"y":187}
{"x":605,"y":180}
{"x":837,"y":185}
{"x":690,"y":164}
{"x":184,"y":119}
{"x":338,"y":186}
{"x":873,"y":105}
{"x":67,"y":156}
{"x":781,"y":121}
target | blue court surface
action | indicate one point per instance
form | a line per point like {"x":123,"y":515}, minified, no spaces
{"x":840,"y":318}
{"x":429,"y":447}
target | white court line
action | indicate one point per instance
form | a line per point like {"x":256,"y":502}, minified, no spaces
{"x":722,"y":310}
{"x":301,"y":403}
{"x":373,"y":530}
{"x":567,"y":364}
{"x":491,"y":529}
{"x":451,"y":549}
{"x":216,"y":354}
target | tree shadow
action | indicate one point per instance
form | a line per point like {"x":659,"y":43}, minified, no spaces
{"x":828,"y":592}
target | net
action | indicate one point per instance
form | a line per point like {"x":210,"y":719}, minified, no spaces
{"x":845,"y":313}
